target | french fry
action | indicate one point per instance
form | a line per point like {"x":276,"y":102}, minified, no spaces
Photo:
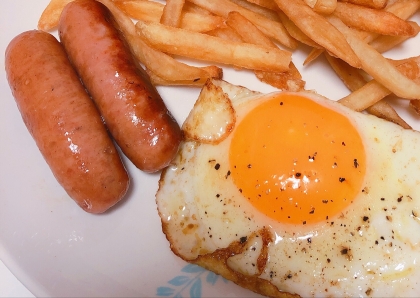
{"x":322,"y":6}
{"x":319,"y":30}
{"x":352,"y":78}
{"x":51,"y":14}
{"x":151,"y":11}
{"x":373,"y":91}
{"x":268,"y":13}
{"x":209,"y":48}
{"x":269,"y":27}
{"x":270,"y":4}
{"x":385,"y":111}
{"x":372,"y":20}
{"x":214,"y":72}
{"x":289,"y":80}
{"x":248,"y":32}
{"x":171,"y":15}
{"x":384,"y":43}
{"x":315,"y":53}
{"x":403,"y":9}
{"x":159,"y":63}
{"x":377,"y":66}
{"x":226,"y":33}
{"x":378,"y":4}
{"x":295,"y":32}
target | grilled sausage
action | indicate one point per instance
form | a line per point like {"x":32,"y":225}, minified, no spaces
{"x":64,"y":122}
{"x":134,"y":112}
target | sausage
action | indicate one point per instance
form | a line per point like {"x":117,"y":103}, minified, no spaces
{"x":64,"y":122}
{"x":132,"y":108}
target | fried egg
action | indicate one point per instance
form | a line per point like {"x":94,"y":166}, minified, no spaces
{"x":292,"y":193}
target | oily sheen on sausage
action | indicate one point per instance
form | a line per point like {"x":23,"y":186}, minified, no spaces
{"x":64,"y":122}
{"x":133,"y":111}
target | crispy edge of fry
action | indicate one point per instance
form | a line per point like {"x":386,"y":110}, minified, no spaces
{"x":172,"y":11}
{"x":51,"y":14}
{"x":378,"y":66}
{"x":372,"y":20}
{"x":352,"y":78}
{"x":160,"y":63}
{"x":319,"y":30}
{"x":313,"y":54}
{"x":209,"y":48}
{"x":289,"y":80}
{"x":269,"y":27}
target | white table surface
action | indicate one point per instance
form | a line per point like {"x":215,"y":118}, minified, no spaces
{"x":10,"y":286}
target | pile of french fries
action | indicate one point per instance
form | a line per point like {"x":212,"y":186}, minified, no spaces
{"x":260,"y":35}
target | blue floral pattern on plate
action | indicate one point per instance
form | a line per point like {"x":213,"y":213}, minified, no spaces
{"x":188,"y":283}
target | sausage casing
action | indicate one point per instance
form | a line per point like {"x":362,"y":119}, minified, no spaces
{"x":133,"y":110}
{"x":64,"y":122}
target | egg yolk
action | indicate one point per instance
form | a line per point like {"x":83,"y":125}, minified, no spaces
{"x":297,"y":161}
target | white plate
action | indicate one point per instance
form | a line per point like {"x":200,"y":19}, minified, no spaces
{"x":55,"y":249}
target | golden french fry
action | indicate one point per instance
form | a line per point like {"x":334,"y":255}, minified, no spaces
{"x":158,"y":81}
{"x":295,"y":32}
{"x":151,"y":11}
{"x":268,"y":13}
{"x":51,"y":14}
{"x":226,"y":33}
{"x":377,"y":66}
{"x":384,"y":43}
{"x":248,"y":31}
{"x":159,"y":63}
{"x":172,"y":11}
{"x":322,"y":6}
{"x":269,"y":27}
{"x":319,"y":30}
{"x":364,"y":97}
{"x":209,"y":48}
{"x":350,"y":76}
{"x":289,"y":80}
{"x":372,"y":20}
{"x":191,"y":7}
{"x":373,"y":91}
{"x":403,"y":9}
{"x":214,"y":72}
{"x":378,"y":4}
{"x":270,"y":4}
{"x":353,"y":79}
{"x":315,"y":53}
{"x":385,"y":111}
{"x":415,"y":105}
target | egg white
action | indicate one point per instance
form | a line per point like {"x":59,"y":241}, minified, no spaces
{"x":371,"y":249}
